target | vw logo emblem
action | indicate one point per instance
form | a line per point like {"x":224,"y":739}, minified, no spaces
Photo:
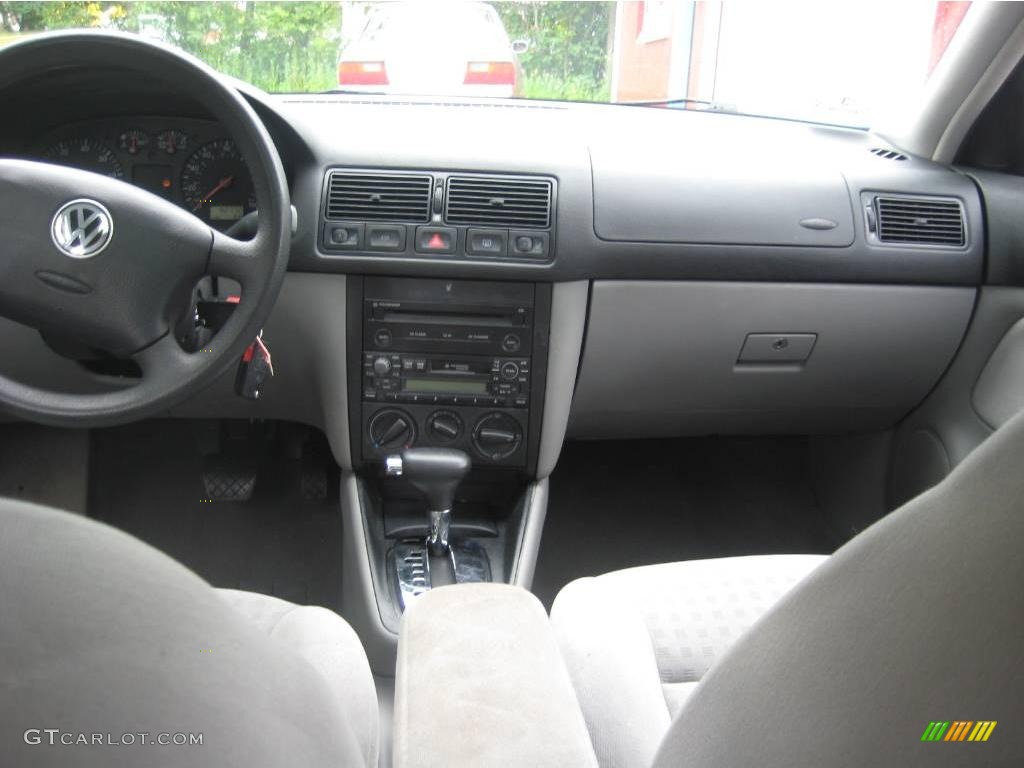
{"x":82,"y":228}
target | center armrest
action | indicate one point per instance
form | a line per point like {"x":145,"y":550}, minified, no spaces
{"x":481,"y":682}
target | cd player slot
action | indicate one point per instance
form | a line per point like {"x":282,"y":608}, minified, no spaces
{"x":503,"y":317}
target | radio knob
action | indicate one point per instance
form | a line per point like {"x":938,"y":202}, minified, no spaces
{"x":391,"y":428}
{"x":510,"y":343}
{"x":444,"y":426}
{"x":382,"y":366}
{"x":509,"y":371}
{"x":497,"y":436}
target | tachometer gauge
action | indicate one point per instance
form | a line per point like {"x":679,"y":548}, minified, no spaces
{"x":171,"y":142}
{"x":133,"y":141}
{"x":86,"y":154}
{"x":217,"y":185}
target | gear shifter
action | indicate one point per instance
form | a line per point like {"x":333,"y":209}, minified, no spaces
{"x":436,"y":473}
{"x":419,"y":566}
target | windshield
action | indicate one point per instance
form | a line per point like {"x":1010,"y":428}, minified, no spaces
{"x":843,"y":63}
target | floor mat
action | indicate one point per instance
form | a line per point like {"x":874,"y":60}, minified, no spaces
{"x":45,"y":465}
{"x":618,"y":504}
{"x":146,"y":479}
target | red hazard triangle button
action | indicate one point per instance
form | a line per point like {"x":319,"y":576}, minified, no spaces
{"x":435,"y":240}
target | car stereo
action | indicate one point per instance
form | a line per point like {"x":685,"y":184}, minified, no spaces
{"x":447,"y":363}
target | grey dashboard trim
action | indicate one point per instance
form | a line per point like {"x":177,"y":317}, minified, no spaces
{"x":306,"y":336}
{"x":359,"y":597}
{"x":950,"y":415}
{"x":998,"y":394}
{"x":532,"y":527}
{"x":661,"y":357}
{"x":568,"y":319}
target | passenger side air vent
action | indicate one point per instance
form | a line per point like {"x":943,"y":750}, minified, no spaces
{"x":378,"y":197}
{"x":887,"y":154}
{"x":498,"y":201}
{"x":917,"y":221}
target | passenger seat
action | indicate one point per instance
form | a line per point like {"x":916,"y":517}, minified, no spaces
{"x":638,"y":641}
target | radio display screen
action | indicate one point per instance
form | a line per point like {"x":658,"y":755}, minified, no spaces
{"x":461,"y":386}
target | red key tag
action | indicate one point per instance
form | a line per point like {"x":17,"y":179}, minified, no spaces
{"x":254,"y":369}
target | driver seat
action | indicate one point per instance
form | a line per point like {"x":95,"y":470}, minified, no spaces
{"x":104,"y":639}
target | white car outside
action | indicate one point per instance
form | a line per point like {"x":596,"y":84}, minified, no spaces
{"x":447,"y":48}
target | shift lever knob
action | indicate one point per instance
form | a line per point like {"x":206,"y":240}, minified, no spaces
{"x":436,"y":473}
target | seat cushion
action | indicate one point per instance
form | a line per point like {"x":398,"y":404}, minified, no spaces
{"x":102,"y":634}
{"x":331,"y":646}
{"x":638,"y":641}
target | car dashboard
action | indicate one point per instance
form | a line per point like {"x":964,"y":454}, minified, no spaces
{"x":683,"y":272}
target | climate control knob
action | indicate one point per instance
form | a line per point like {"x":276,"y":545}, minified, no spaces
{"x":497,"y":436}
{"x":444,"y":426}
{"x":391,"y":428}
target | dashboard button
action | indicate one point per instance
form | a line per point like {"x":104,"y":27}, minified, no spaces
{"x":487,"y":242}
{"x":346,"y":237}
{"x":382,"y":338}
{"x":435,"y":240}
{"x":381,"y":237}
{"x":509,"y":371}
{"x":532,"y":245}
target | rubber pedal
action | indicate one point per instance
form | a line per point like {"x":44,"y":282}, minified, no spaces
{"x":226,"y":483}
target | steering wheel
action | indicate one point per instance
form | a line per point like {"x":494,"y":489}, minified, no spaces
{"x":112,"y":266}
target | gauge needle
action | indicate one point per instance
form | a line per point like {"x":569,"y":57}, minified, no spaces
{"x":224,"y":183}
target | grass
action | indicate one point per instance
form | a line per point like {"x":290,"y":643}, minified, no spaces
{"x":573,"y":88}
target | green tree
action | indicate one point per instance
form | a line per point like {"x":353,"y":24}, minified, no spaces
{"x":568,"y":53}
{"x":277,"y":46}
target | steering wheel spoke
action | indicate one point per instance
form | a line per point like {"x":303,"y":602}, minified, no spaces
{"x":234,"y":259}
{"x":165,"y":358}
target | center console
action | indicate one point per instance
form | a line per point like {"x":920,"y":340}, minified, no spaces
{"x":457,"y":367}
{"x":449,"y":364}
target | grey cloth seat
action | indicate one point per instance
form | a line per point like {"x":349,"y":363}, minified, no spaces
{"x":638,"y":641}
{"x":333,"y":649}
{"x":102,"y":636}
{"x":912,"y":627}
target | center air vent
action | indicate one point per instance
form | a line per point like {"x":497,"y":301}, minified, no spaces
{"x":498,"y":201}
{"x":917,"y":221}
{"x":378,"y":197}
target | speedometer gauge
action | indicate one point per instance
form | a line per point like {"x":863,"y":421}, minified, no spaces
{"x":217,"y":185}
{"x":87,"y":155}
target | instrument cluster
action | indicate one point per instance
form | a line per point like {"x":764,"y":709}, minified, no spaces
{"x":187,"y":161}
